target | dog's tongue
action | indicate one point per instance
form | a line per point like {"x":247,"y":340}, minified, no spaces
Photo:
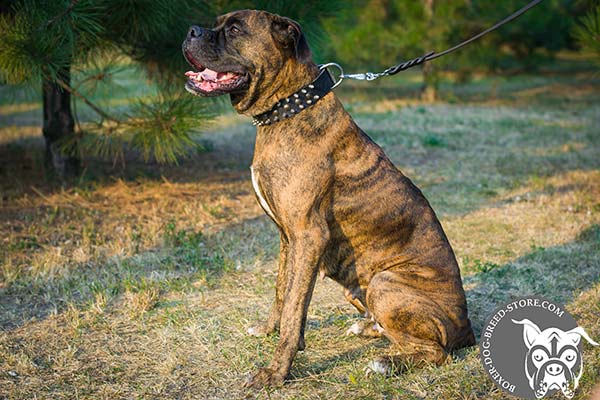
{"x":209,"y":75}
{"x":214,"y":76}
{"x":209,"y":80}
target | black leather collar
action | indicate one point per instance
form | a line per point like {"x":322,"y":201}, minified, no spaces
{"x":297,"y":102}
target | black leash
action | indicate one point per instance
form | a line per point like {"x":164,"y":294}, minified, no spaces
{"x":369,"y":76}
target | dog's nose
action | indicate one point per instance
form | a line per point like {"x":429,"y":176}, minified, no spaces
{"x":194,"y":32}
{"x":554,"y":369}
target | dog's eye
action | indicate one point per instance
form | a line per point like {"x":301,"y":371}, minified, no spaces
{"x":538,"y":355}
{"x":234,"y":29}
{"x":569,"y":355}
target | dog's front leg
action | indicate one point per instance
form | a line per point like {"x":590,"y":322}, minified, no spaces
{"x":272,"y":323}
{"x":307,"y":245}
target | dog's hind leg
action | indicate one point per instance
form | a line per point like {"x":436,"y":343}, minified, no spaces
{"x":366,"y":327}
{"x":420,"y":330}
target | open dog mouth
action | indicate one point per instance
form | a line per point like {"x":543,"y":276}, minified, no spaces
{"x":208,"y":82}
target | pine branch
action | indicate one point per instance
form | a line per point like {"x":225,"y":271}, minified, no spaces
{"x":62,"y":14}
{"x":94,"y":107}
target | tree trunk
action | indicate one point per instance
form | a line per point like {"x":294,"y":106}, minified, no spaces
{"x":430,"y":83}
{"x":58,"y":127}
{"x":430,"y":73}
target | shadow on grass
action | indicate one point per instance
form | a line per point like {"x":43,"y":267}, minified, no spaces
{"x":22,"y":165}
{"x":558,"y":273}
{"x":189,"y":261}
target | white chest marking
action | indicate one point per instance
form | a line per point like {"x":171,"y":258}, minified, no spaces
{"x":261,"y":199}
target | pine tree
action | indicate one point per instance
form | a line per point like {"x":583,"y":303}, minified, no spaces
{"x":525,"y":42}
{"x":587,"y":32}
{"x":69,"y":47}
{"x":382,"y":33}
{"x":46,"y":44}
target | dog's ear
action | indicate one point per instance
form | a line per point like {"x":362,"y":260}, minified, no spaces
{"x":530,"y":331}
{"x":577,"y":333}
{"x":289,"y":33}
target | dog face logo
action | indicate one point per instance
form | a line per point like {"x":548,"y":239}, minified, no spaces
{"x":553,"y":361}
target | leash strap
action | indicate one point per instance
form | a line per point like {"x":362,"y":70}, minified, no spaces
{"x":369,"y":76}
{"x":324,"y":83}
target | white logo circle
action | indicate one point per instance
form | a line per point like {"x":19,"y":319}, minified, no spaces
{"x":531,"y":348}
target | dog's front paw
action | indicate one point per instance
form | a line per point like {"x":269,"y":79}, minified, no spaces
{"x":259,"y":330}
{"x":262,"y":328}
{"x":263,"y":377}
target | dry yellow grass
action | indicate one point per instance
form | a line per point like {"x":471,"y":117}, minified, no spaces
{"x":140,"y":283}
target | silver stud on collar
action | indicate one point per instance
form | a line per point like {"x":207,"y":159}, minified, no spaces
{"x":294,"y":104}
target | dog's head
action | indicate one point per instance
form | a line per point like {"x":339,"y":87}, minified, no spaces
{"x":252,"y":55}
{"x":553,"y":360}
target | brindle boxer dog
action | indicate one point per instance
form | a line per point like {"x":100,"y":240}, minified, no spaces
{"x":341,"y":206}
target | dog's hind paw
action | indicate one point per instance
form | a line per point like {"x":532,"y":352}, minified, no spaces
{"x":365,"y":329}
{"x":355,"y":329}
{"x":379,"y":366}
{"x":386,"y":365}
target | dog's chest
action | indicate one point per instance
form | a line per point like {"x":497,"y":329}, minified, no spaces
{"x":259,"y":194}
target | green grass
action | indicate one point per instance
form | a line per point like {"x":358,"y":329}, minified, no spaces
{"x":139,"y":282}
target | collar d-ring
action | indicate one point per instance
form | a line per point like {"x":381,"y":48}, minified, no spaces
{"x":340,"y":77}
